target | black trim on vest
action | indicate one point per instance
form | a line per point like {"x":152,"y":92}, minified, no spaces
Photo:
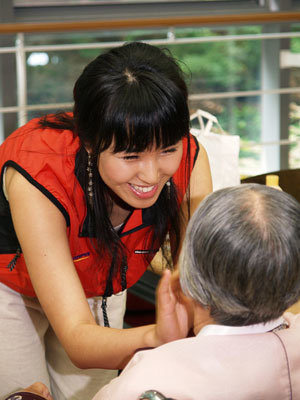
{"x":137,"y":228}
{"x":11,"y":265}
{"x":41,"y":188}
{"x":8,"y":239}
{"x":197,"y":149}
{"x":147,"y":218}
{"x":88,"y":226}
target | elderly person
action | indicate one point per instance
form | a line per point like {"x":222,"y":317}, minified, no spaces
{"x":239,"y":271}
{"x":240,"y":265}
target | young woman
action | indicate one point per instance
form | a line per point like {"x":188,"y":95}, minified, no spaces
{"x":86,"y":200}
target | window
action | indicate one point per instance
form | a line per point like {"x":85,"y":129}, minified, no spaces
{"x":248,"y":76}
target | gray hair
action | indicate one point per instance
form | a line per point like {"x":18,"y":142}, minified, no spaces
{"x":241,"y":254}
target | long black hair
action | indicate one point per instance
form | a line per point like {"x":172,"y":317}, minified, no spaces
{"x":135,"y":97}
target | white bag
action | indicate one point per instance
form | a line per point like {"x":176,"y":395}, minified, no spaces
{"x":222,"y":150}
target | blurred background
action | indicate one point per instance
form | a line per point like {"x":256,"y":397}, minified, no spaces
{"x":241,"y":59}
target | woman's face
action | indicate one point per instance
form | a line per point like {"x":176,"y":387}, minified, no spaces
{"x":138,"y":178}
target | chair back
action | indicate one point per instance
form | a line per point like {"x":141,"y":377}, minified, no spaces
{"x":289,"y":180}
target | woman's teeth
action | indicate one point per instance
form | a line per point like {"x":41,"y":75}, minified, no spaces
{"x":143,"y":189}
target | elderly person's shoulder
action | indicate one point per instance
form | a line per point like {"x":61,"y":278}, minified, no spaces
{"x":206,"y":364}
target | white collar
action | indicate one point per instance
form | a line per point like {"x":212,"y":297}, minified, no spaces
{"x":209,"y":330}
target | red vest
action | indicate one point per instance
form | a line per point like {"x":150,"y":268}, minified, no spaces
{"x":46,"y":158}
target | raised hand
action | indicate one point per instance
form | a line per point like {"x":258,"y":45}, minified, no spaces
{"x":40,"y":389}
{"x":173,"y":316}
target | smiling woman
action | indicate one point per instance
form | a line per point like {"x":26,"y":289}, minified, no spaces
{"x":89,"y":199}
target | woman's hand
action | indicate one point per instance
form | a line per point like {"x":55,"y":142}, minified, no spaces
{"x":173,"y":312}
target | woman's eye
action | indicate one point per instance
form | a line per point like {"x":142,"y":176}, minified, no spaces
{"x":170,"y":150}
{"x":130,"y":157}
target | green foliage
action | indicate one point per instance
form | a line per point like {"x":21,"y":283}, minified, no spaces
{"x":221,"y":66}
{"x":295,"y":45}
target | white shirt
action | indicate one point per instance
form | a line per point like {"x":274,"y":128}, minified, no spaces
{"x":209,"y":330}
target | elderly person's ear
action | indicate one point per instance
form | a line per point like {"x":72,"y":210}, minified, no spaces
{"x":199,"y":316}
{"x":202,"y":317}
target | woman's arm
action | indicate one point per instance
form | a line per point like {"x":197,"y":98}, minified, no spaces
{"x":200,"y":186}
{"x":41,"y":231}
{"x":200,"y":182}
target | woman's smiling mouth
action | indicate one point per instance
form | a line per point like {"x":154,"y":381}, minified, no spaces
{"x":144,"y":192}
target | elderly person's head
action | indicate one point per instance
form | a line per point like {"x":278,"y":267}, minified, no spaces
{"x":241,"y":256}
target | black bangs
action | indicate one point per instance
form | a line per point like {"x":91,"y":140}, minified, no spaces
{"x":144,"y":114}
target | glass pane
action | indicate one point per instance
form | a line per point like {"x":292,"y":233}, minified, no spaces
{"x":8,"y":94}
{"x":41,"y":113}
{"x":291,"y":75}
{"x":294,"y":132}
{"x":8,"y":124}
{"x":220,"y":66}
{"x":51,"y":75}
{"x":8,"y":89}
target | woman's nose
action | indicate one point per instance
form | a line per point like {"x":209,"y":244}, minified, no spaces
{"x":149,"y":172}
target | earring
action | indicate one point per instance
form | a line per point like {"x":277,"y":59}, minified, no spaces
{"x":168,"y":184}
{"x":90,"y":181}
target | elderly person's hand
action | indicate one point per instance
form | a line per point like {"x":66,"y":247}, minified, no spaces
{"x":173,"y":317}
{"x":40,"y":389}
{"x":33,"y":392}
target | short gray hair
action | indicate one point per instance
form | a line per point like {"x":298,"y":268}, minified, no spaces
{"x":241,"y":254}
